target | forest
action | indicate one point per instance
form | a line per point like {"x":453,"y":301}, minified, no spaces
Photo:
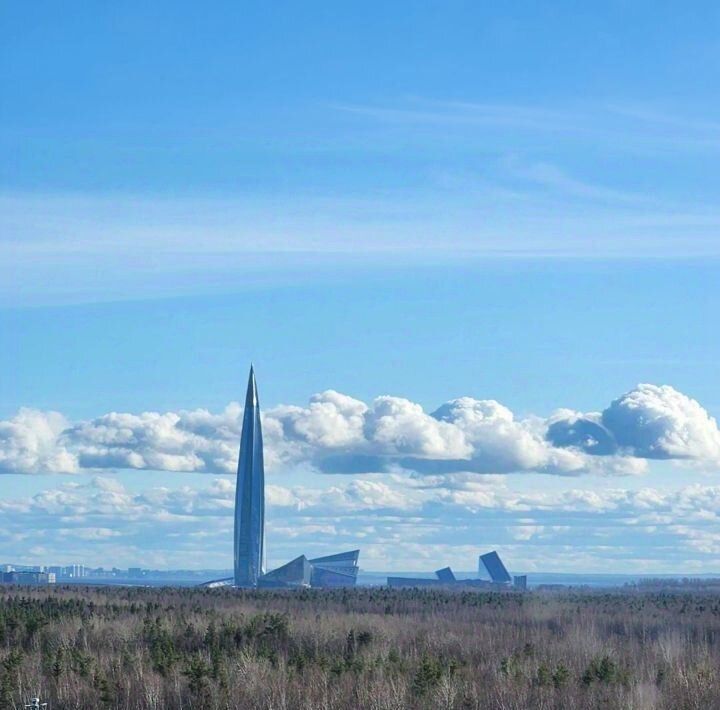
{"x":135,"y":648}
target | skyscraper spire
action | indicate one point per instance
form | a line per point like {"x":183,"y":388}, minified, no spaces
{"x":251,"y":398}
{"x":250,"y":494}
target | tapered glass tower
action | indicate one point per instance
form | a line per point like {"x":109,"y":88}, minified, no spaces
{"x":250,"y":495}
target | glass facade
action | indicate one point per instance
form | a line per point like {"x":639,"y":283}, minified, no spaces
{"x":495,"y":568}
{"x":520,"y":581}
{"x":339,"y":570}
{"x":296,"y":573}
{"x":445,"y":574}
{"x":501,"y":579}
{"x":250,"y":495}
{"x":322,"y":572}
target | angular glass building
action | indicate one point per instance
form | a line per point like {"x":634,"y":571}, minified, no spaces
{"x":495,"y":568}
{"x":500,"y":578}
{"x":339,"y":570}
{"x":296,"y":573}
{"x":445,"y":574}
{"x":250,"y":495}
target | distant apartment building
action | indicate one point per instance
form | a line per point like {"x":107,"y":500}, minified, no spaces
{"x":28,"y":577}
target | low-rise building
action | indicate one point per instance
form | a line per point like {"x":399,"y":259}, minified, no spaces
{"x":28,"y":578}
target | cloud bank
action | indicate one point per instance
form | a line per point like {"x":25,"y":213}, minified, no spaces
{"x":397,"y":524}
{"x":338,"y":434}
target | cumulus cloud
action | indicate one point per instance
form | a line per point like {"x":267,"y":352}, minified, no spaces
{"x":660,"y":422}
{"x":98,"y":519}
{"x":29,"y":443}
{"x":649,"y":422}
{"x":336,"y":433}
{"x":184,"y":441}
{"x":583,"y":431}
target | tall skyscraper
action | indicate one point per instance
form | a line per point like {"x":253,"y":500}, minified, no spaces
{"x":250,"y":495}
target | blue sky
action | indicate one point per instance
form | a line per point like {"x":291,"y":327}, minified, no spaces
{"x":427,"y":201}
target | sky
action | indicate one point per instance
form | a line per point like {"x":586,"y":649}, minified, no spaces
{"x":472,"y":251}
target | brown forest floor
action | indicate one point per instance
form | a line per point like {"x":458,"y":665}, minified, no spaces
{"x":170,"y":648}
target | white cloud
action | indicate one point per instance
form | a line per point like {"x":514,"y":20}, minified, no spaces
{"x":526,"y":532}
{"x":330,"y":420}
{"x":660,"y":422}
{"x":399,"y":526}
{"x":29,"y":444}
{"x":398,"y":426}
{"x":183,"y":441}
{"x":336,"y":433}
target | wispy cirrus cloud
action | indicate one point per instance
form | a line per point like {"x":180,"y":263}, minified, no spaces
{"x":468,"y":113}
{"x":632,"y":126}
{"x":414,"y":179}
